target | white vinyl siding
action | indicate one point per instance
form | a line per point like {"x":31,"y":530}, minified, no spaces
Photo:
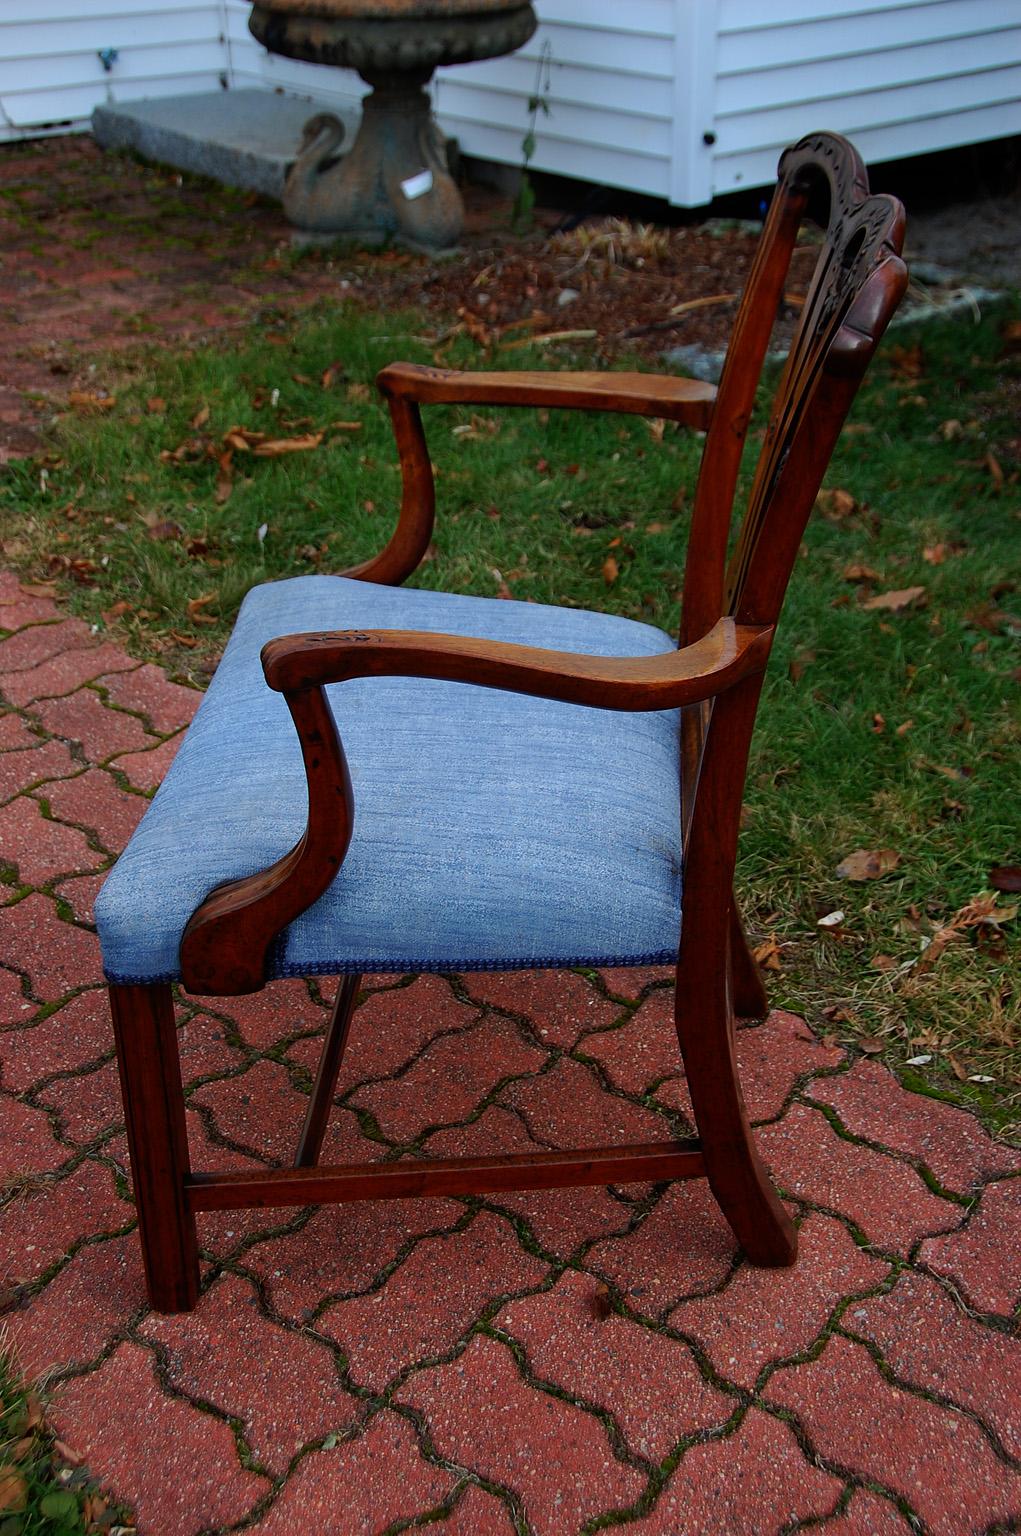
{"x":635,"y":90}
{"x":899,"y":78}
{"x":51,"y":75}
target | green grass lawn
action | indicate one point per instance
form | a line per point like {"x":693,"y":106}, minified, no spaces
{"x":879,"y":729}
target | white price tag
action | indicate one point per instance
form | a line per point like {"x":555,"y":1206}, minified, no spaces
{"x":417,"y":185}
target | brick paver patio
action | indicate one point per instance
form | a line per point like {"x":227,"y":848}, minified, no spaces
{"x":542,"y":1363}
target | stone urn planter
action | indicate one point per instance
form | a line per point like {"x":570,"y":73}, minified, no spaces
{"x":394,"y":180}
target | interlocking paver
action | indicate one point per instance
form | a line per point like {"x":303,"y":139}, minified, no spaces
{"x":147,"y":770}
{"x":94,"y":801}
{"x":771,"y":1314}
{"x":284,"y":1386}
{"x":449,"y":1078}
{"x":394,"y":1284}
{"x":951,"y":1142}
{"x":260,"y":1110}
{"x":121,"y":1412}
{"x":630,"y":981}
{"x":78,"y":1033}
{"x":753,"y":1483}
{"x":931,"y":1343}
{"x":45,"y":760}
{"x":556,"y":1457}
{"x":27,"y":1146}
{"x":868,"y":1514}
{"x":431,"y":1299}
{"x":72,"y":1320}
{"x":771,"y":1057}
{"x":15,"y":735}
{"x":40,"y":851}
{"x":342,"y":1250}
{"x":390,"y":1028}
{"x":148,"y":691}
{"x":559,"y":1220}
{"x":15,"y":1007}
{"x":65,"y":672}
{"x":80,"y":892}
{"x":478,"y":1513}
{"x":19,"y":608}
{"x":650,"y":1383}
{"x":41,"y":642}
{"x":84,"y":718}
{"x":43,"y":1224}
{"x":984,"y":1257}
{"x":568,"y":1108}
{"x":360,"y":1488}
{"x":935,"y":1458}
{"x":264,"y":1018}
{"x":58,"y":956}
{"x":886,"y":1199}
{"x":559,"y":1011}
{"x":682,"y":1247}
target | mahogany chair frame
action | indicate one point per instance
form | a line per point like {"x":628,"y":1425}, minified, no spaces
{"x":730,"y":611}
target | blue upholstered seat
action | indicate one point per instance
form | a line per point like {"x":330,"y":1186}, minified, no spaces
{"x":492,"y":830}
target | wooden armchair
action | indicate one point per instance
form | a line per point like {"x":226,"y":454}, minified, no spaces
{"x":540,"y":817}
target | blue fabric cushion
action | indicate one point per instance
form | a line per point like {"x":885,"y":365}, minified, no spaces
{"x":492,"y":831}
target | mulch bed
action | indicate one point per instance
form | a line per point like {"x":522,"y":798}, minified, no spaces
{"x":102,"y":253}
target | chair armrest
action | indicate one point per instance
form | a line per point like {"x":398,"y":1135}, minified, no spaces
{"x":407,"y":385}
{"x":689,"y":401}
{"x":728,"y":653}
{"x":226,"y":946}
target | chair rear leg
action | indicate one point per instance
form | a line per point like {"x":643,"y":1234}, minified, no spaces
{"x":318,"y":1113}
{"x":749,"y":992}
{"x":150,"y":1072}
{"x":737,"y":1177}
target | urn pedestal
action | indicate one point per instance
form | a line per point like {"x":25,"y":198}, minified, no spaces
{"x":394,"y":180}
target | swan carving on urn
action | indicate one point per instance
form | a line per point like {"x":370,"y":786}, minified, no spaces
{"x":393,"y":180}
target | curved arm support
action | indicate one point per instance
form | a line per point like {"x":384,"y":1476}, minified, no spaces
{"x":226,"y":944}
{"x":728,"y":653}
{"x":225,"y":947}
{"x":410,"y":539}
{"x":404,"y":385}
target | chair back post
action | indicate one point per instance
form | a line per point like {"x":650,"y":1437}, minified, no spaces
{"x":858,"y":281}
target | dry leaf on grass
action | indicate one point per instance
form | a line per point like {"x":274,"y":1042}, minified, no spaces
{"x":1006,"y":877}
{"x":768,"y":954}
{"x":196,"y":605}
{"x":85,"y":400}
{"x":867,"y":864}
{"x":836,"y":504}
{"x":611,"y":570}
{"x":894,"y":602}
{"x":200,"y":417}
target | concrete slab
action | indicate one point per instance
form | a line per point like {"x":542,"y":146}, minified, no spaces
{"x":241,"y":138}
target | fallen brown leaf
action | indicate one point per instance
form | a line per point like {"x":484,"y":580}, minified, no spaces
{"x":836,"y":504}
{"x":196,"y":605}
{"x":767,"y":954}
{"x":165,"y":530}
{"x":867,"y":864}
{"x":871,"y":1046}
{"x":1006,"y":877}
{"x":611,"y":570}
{"x":156,"y":405}
{"x":13,"y":1491}
{"x":200,"y":417}
{"x":894,"y":602}
{"x":855,"y":572}
{"x":86,"y":400}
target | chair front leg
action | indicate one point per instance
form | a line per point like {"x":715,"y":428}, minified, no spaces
{"x":150,"y":1072}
